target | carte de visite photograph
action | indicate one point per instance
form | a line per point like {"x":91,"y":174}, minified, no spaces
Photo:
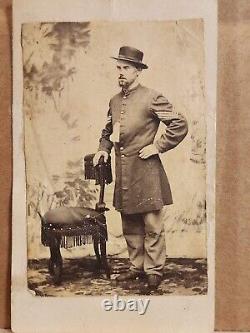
{"x":115,"y":157}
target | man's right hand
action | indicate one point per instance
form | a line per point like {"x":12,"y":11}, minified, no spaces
{"x":98,"y":155}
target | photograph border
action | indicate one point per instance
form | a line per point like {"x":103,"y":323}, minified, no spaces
{"x":24,"y":305}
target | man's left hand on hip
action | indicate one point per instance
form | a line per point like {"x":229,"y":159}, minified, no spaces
{"x":148,"y":151}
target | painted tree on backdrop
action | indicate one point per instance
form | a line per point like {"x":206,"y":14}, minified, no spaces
{"x":48,"y":66}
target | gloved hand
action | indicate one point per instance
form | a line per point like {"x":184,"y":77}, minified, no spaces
{"x":100,"y":154}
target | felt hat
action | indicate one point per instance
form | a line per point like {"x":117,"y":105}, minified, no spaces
{"x":132,"y":55}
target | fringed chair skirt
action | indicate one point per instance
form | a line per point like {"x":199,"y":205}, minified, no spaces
{"x":73,"y":226}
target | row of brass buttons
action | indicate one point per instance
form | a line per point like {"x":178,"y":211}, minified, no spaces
{"x":122,"y":112}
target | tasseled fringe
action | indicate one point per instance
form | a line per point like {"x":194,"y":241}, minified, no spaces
{"x":70,"y":241}
{"x":90,"y":173}
{"x":73,"y":241}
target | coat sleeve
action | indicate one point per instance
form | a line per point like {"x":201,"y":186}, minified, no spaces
{"x":105,"y":143}
{"x":176,"y":124}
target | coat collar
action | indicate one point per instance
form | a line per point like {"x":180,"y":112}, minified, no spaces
{"x":127,"y":92}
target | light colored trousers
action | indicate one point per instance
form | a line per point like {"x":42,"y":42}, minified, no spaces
{"x":144,"y":234}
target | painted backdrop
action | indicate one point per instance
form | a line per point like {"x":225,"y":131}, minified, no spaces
{"x":69,"y":78}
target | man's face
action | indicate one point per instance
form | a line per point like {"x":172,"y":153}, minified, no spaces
{"x":127,"y":73}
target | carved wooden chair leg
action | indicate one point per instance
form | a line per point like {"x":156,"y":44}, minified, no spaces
{"x":97,"y":253}
{"x":55,"y":261}
{"x":104,"y":258}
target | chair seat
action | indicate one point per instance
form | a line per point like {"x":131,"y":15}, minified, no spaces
{"x":71,"y":216}
{"x":73,"y":225}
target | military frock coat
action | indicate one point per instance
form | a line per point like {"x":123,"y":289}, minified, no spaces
{"x":141,"y":185}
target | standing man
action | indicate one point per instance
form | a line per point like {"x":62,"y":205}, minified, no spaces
{"x":141,"y":184}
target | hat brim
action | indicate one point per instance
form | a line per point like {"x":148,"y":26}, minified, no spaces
{"x":139,"y":64}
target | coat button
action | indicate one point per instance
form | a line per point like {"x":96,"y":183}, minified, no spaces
{"x":122,"y":155}
{"x":121,"y":148}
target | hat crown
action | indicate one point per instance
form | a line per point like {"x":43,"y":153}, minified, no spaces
{"x":130,"y":53}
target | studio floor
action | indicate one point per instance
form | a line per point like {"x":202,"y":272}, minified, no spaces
{"x":182,"y":276}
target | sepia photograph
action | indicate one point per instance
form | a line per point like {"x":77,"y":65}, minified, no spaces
{"x":115,"y":157}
